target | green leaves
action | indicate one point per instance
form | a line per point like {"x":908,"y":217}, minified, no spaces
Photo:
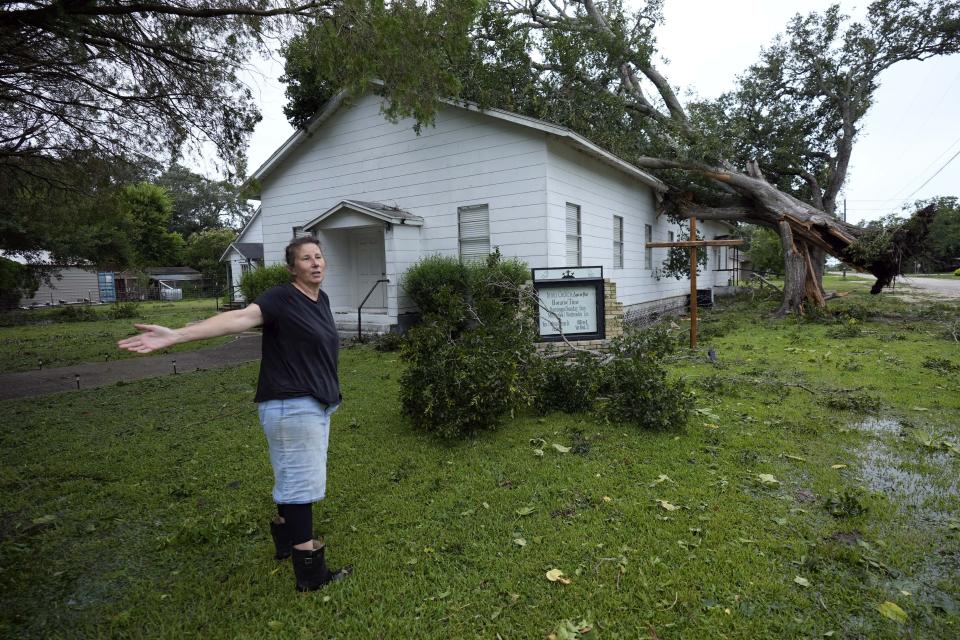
{"x":468,"y":361}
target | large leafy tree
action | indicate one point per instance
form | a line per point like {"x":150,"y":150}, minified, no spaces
{"x":146,"y":209}
{"x":203,"y":251}
{"x":123,"y":78}
{"x":91,"y":88}
{"x":199,"y":203}
{"x":941,"y":252}
{"x":774,"y":152}
{"x":72,"y":211}
{"x":945,"y":234}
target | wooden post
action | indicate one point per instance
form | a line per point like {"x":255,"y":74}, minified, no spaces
{"x":692,"y":244}
{"x":693,"y":285}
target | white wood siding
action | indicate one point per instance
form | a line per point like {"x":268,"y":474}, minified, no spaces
{"x":338,"y":282}
{"x":603,"y":192}
{"x":466,"y":159}
{"x":253,"y":232}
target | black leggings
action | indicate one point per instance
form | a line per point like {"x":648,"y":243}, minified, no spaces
{"x":299,"y":519}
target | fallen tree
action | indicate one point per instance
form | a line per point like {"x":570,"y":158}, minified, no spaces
{"x":773,"y":152}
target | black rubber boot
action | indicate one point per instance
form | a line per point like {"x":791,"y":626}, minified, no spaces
{"x":281,"y":539}
{"x":311,"y":570}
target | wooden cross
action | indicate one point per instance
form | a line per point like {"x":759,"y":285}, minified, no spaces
{"x":692,"y":244}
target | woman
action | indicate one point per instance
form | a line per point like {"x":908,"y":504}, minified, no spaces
{"x":297,"y":392}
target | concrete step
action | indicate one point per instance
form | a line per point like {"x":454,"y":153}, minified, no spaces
{"x":372,"y":323}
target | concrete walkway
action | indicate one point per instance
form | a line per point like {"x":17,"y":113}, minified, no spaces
{"x":42,"y":382}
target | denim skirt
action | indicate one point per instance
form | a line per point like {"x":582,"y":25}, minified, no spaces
{"x":297,"y":431}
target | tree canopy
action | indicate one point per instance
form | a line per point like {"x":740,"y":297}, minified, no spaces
{"x":130,"y":79}
{"x":96,"y":94}
{"x":773,"y":152}
{"x":199,"y":203}
{"x":203,"y":251}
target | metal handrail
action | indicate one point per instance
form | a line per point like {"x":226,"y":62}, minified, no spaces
{"x":229,"y":295}
{"x":360,"y":308}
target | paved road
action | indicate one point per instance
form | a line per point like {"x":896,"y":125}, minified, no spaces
{"x":941,"y":287}
{"x":937,"y":286}
{"x":243,"y":348}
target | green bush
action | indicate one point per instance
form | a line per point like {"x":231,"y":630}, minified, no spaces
{"x":456,"y":386}
{"x":851,"y":328}
{"x":443,"y":287}
{"x":957,"y":272}
{"x":632,"y":388}
{"x":76,"y":313}
{"x":940,"y":365}
{"x":638,"y":393}
{"x":16,"y":281}
{"x":256,"y":281}
{"x":438,"y":285}
{"x":568,"y":385}
{"x":470,"y":360}
{"x":850,"y":400}
{"x":122,"y":310}
{"x":652,"y":343}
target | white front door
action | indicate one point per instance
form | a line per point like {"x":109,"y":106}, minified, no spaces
{"x":369,"y":265}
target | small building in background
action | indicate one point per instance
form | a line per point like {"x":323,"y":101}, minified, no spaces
{"x":62,"y":283}
{"x":174,"y":283}
{"x":243,"y":254}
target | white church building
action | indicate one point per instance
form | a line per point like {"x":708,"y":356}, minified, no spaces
{"x":379,"y":196}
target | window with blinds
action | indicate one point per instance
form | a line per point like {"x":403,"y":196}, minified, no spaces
{"x":617,"y":242}
{"x":574,"y":244}
{"x":299,"y":232}
{"x":474,"y":222}
{"x":647,"y":251}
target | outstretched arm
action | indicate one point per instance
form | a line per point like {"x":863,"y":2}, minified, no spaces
{"x":153,"y":337}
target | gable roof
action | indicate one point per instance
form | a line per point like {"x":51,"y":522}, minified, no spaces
{"x":564,"y":134}
{"x":376,"y":210}
{"x":248,"y":250}
{"x":256,"y":214}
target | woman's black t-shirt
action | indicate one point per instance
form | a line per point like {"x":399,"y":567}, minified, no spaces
{"x":300,"y":344}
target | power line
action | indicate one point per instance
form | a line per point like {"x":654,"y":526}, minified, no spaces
{"x":925,"y":169}
{"x":952,"y":158}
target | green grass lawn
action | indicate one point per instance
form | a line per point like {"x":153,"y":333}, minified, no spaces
{"x":59,"y":343}
{"x":141,"y":510}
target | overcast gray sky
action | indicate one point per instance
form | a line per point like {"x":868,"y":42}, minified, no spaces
{"x":910,"y":133}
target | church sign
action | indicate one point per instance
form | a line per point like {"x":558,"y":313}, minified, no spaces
{"x":571,"y":303}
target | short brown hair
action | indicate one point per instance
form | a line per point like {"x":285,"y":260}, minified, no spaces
{"x":290,"y":253}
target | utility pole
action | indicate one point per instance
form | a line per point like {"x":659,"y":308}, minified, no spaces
{"x":843,"y":265}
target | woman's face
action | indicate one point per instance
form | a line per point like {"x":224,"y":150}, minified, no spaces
{"x":309,"y":266}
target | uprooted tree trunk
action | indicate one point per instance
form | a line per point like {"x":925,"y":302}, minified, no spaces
{"x":798,"y":74}
{"x":804,"y":231}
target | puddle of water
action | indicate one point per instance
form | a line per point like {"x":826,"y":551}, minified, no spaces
{"x":885,"y":469}
{"x":881,"y":470}
{"x":879,"y":425}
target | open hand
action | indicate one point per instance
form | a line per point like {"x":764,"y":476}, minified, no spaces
{"x":151,"y":338}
